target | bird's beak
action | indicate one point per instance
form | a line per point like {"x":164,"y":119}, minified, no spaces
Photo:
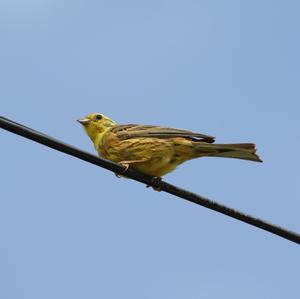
{"x":84,"y":121}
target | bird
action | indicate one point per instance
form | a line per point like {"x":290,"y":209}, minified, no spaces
{"x":155,"y":150}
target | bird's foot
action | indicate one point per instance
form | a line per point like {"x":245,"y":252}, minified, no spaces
{"x":126,"y":166}
{"x":157,"y":183}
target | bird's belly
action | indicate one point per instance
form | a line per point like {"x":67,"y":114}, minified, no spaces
{"x":157,"y":167}
{"x":160,"y":155}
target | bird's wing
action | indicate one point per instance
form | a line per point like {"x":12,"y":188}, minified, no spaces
{"x":133,"y":131}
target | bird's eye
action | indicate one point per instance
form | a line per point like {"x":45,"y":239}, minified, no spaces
{"x":98,"y":117}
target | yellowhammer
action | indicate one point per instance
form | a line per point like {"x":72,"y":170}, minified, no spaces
{"x":156,"y":150}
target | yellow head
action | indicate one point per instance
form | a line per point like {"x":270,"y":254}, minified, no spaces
{"x":95,"y":124}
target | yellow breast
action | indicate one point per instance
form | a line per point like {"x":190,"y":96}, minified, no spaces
{"x":161,"y":155}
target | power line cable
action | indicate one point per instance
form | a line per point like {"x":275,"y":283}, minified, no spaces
{"x":46,"y":140}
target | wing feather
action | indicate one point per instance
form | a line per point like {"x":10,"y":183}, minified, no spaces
{"x":133,"y":131}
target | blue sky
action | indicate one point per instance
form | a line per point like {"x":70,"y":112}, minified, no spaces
{"x":225,"y":68}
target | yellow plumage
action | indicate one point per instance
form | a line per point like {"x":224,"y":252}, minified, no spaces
{"x":156,"y":150}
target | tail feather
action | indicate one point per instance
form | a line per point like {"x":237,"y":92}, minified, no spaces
{"x":245,"y":151}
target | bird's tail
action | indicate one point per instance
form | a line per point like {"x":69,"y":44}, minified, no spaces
{"x":245,"y":151}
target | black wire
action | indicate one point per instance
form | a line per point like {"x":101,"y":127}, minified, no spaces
{"x":36,"y":136}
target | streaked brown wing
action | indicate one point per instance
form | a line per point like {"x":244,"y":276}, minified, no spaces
{"x":133,"y":131}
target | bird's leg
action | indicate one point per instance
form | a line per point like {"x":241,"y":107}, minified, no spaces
{"x":157,"y":181}
{"x":126,"y":164}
